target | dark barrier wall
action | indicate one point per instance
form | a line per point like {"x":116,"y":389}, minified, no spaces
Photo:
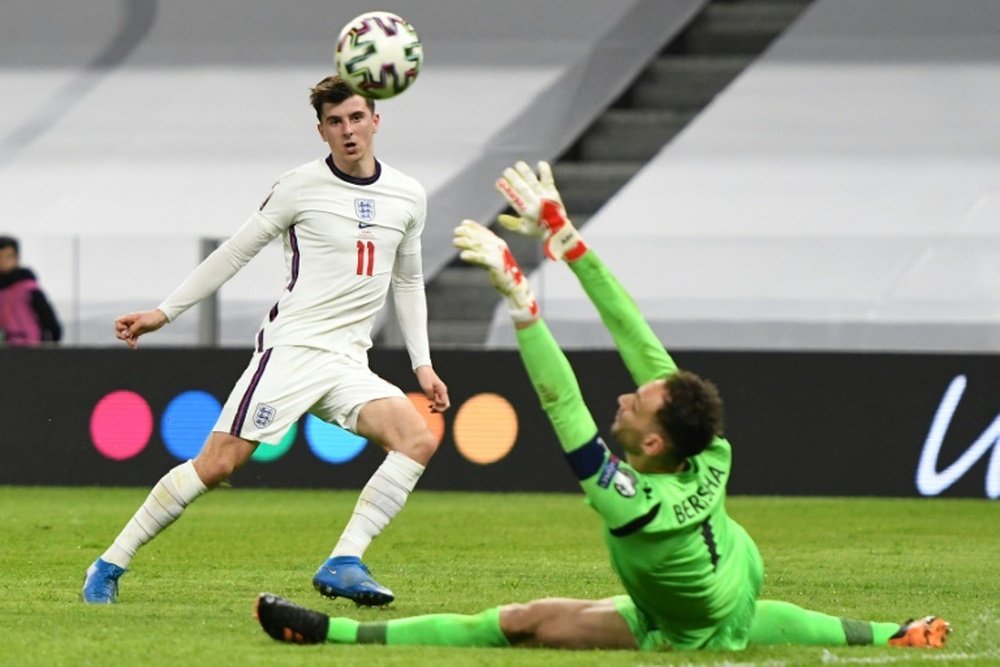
{"x":800,"y":423}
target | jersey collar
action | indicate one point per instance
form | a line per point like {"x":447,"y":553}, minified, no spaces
{"x":354,"y":179}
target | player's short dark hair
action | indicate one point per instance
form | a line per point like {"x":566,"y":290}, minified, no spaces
{"x":333,"y":90}
{"x":10,"y":242}
{"x":692,"y":416}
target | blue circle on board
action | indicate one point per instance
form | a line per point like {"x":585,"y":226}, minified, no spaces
{"x":331,"y":443}
{"x":187,"y":421}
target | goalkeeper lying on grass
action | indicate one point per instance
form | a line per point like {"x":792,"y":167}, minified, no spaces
{"x":691,"y":574}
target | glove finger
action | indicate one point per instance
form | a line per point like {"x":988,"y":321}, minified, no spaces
{"x":548,"y":181}
{"x":545,"y":174}
{"x":521,"y":178}
{"x":466,"y":225}
{"x":511,"y":222}
{"x":504,"y":187}
{"x":464,"y":234}
{"x":529,"y":178}
{"x":473,"y":257}
{"x":514,"y":192}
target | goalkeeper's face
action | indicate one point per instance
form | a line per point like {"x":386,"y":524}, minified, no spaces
{"x":636,"y":426}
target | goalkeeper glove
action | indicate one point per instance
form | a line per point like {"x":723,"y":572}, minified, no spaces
{"x":482,"y":247}
{"x":540,"y":210}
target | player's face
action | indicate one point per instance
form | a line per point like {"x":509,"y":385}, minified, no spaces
{"x":636,"y":416}
{"x":8,"y":260}
{"x":348,"y":129}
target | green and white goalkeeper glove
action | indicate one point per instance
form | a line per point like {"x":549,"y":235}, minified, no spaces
{"x":482,"y":247}
{"x":540,"y":211}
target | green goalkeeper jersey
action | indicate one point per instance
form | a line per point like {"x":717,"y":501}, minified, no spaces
{"x":688,"y":567}
{"x":684,"y":562}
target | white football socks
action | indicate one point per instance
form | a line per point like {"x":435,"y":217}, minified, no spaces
{"x":175,"y":491}
{"x":381,"y":500}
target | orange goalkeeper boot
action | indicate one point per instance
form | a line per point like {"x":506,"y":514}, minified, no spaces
{"x":927,"y":632}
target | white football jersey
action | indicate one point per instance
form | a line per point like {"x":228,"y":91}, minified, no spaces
{"x":342,"y":236}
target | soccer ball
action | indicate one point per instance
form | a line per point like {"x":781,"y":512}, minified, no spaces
{"x":378,"y":55}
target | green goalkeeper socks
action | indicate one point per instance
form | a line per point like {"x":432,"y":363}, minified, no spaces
{"x":481,"y":629}
{"x":784,"y":623}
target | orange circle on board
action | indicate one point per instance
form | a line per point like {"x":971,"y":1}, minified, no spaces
{"x":485,"y":428}
{"x":434,"y":420}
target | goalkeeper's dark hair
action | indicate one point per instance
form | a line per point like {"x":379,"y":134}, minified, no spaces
{"x":333,"y":90}
{"x":692,"y":416}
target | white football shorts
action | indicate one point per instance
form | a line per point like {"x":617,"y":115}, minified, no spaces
{"x":282,"y":383}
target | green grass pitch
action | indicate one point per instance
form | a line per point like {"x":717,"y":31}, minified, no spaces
{"x":188,"y":598}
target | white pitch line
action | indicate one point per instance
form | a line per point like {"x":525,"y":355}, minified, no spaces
{"x":909,"y":657}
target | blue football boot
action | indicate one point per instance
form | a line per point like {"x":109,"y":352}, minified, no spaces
{"x":347,"y":577}
{"x":100,"y":585}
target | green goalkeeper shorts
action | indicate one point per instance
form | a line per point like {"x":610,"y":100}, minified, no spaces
{"x":730,"y":634}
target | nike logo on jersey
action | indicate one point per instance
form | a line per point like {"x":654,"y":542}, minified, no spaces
{"x":365,"y":225}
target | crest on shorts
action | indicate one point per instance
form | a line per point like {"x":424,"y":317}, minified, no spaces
{"x":364,"y":209}
{"x":264,"y":415}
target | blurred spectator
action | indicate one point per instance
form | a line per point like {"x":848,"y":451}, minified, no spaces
{"x":26,"y":316}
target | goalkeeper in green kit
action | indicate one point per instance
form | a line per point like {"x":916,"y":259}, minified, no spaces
{"x":691,"y":574}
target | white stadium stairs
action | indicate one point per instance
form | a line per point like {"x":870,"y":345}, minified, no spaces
{"x":697,"y":63}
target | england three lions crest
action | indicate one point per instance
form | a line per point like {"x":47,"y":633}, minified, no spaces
{"x":364,"y":209}
{"x":264,"y":415}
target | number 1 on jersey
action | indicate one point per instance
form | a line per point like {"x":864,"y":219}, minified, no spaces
{"x":365,"y":267}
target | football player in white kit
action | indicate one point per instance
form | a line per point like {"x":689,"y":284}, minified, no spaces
{"x":351,"y":226}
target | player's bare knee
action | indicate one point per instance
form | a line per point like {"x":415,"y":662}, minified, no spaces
{"x":213,"y":469}
{"x":219,"y":458}
{"x":419,"y":445}
{"x":519,"y":622}
{"x":426,"y":444}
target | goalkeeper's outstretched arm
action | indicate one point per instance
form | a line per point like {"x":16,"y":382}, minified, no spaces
{"x":547,"y":366}
{"x":541,"y":213}
{"x":554,"y":382}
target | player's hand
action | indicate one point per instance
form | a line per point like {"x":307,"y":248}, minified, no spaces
{"x":524,"y":192}
{"x":540,"y":210}
{"x":482,"y":247}
{"x":434,"y":389}
{"x":129,"y":327}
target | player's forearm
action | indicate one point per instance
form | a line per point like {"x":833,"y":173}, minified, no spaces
{"x":207,"y":277}
{"x":411,"y":312}
{"x":556,"y":385}
{"x":224,"y":262}
{"x":642,"y":351}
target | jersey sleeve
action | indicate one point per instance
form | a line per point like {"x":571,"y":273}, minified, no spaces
{"x":408,"y":293}
{"x":224,"y":262}
{"x":410,"y":300}
{"x":556,"y":386}
{"x":640,"y":349}
{"x":410,"y":245}
{"x":614,"y":489}
{"x":629,"y":501}
{"x":281,"y":206}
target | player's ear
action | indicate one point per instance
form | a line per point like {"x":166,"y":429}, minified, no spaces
{"x":376,"y":121}
{"x":654,"y":444}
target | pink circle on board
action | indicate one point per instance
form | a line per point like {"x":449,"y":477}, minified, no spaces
{"x":121,"y":424}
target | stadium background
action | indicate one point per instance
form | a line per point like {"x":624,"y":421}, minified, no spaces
{"x":820,"y":239}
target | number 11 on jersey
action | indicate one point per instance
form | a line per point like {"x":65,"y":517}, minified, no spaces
{"x":366,"y":258}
